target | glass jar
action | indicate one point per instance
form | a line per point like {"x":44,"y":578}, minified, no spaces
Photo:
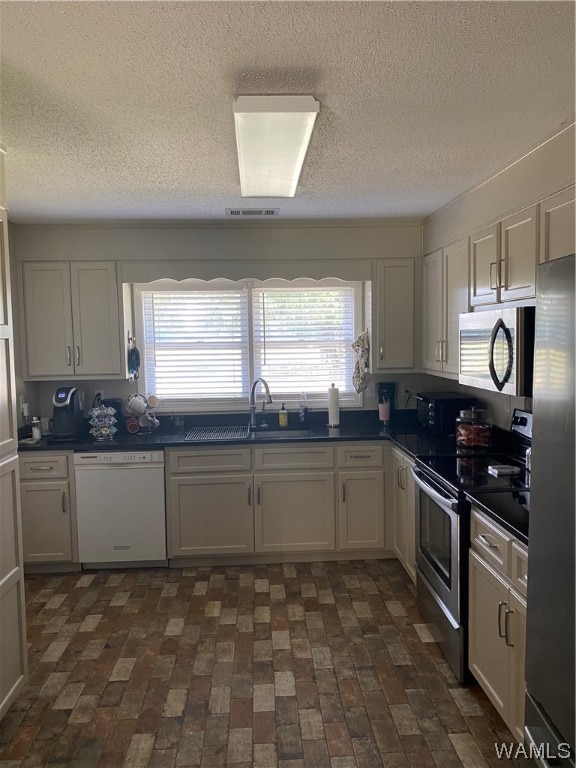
{"x":473,"y":429}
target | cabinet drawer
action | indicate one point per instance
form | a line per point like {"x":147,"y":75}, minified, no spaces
{"x":46,"y":465}
{"x":491,"y":542}
{"x":360,"y":456}
{"x":301,"y":456}
{"x":519,"y":568}
{"x":185,"y":462}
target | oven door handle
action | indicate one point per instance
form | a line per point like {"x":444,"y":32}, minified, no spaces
{"x":442,"y":501}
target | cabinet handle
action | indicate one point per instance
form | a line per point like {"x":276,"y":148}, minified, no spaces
{"x":68,"y":356}
{"x":506,"y":627}
{"x":502,"y":282}
{"x":381,"y":351}
{"x":492,"y":282}
{"x":77,"y":355}
{"x":438,"y":353}
{"x":443,"y":351}
{"x":40,"y":468}
{"x":360,"y":456}
{"x":403,"y":475}
{"x":249,"y":495}
{"x":343,"y":491}
{"x":500,"y":606}
{"x":486,"y":540}
{"x":398,"y":483}
{"x":258,"y":494}
{"x":63,"y":503}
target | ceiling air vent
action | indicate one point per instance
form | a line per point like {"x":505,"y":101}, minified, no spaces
{"x":239,"y":212}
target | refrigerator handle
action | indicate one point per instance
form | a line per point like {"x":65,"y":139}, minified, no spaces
{"x":499,"y":325}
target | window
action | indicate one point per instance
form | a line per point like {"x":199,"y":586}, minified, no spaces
{"x":205,"y":342}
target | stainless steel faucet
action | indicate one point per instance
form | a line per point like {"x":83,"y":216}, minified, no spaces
{"x":268,"y":399}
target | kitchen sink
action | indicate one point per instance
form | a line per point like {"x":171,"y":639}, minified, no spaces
{"x":281,"y":434}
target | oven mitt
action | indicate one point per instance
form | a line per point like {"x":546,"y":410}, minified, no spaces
{"x":361,"y":347}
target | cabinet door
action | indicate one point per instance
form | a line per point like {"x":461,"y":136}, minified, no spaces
{"x":8,"y":425}
{"x":46,"y":522}
{"x":96,"y":316}
{"x":455,"y":291}
{"x":484,"y":258}
{"x":295,"y":512}
{"x":432,"y":311}
{"x":409,"y":514}
{"x":393,"y":338}
{"x":488,"y":652}
{"x":48,"y":319}
{"x":210,"y":515}
{"x":557,"y":230}
{"x":398,"y":528}
{"x":361,"y":509}
{"x":13,"y":668}
{"x":519,"y":255}
{"x":517,"y":638}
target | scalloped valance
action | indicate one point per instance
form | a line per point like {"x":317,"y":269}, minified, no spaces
{"x":150,"y":271}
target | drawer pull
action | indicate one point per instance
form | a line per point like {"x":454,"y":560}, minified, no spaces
{"x":500,"y":606}
{"x":41,"y":468}
{"x":485,"y":539}
{"x":360,"y":456}
{"x":506,"y":628}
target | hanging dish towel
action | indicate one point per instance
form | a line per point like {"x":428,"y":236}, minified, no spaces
{"x":361,"y":348}
{"x":133,"y":360}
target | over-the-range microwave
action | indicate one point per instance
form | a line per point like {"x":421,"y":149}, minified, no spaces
{"x":497,"y":350}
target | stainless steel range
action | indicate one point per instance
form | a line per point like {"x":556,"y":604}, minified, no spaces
{"x":443,"y":530}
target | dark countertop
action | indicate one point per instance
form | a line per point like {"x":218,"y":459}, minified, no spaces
{"x":359,"y":426}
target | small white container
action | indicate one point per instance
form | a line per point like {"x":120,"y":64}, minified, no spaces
{"x":36,"y":428}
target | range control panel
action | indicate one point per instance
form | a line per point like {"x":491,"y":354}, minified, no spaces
{"x":522,"y":423}
{"x":119,"y":457}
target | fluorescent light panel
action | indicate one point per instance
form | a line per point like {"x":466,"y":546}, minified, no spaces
{"x":272,"y":136}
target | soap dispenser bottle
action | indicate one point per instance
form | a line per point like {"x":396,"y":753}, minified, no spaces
{"x":283,"y":417}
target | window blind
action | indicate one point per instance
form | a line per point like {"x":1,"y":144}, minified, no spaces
{"x":196,"y":344}
{"x":302,"y":338}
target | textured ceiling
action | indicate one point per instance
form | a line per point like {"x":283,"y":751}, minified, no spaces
{"x":124,"y":110}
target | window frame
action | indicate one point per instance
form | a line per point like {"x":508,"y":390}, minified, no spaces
{"x":233,"y":405}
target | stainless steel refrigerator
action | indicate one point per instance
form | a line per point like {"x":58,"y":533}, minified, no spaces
{"x":550,"y":614}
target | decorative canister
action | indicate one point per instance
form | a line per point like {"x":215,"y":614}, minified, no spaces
{"x":473,"y":429}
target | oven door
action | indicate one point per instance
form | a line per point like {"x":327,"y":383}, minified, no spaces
{"x":438,"y":542}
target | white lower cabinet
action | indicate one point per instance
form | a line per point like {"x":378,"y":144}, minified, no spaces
{"x":49,"y":532}
{"x":210,"y":515}
{"x":403,"y":497}
{"x":275,"y":499}
{"x":294,"y":511}
{"x":361,"y":509}
{"x":497,"y":623}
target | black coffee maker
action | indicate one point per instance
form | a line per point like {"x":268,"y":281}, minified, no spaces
{"x":66,"y":414}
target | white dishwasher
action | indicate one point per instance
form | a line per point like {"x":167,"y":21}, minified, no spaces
{"x":120,"y":507}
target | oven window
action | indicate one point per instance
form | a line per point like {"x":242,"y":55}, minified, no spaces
{"x":435,"y":537}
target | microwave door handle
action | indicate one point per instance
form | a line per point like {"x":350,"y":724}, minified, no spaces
{"x":442,"y":501}
{"x":499,"y":325}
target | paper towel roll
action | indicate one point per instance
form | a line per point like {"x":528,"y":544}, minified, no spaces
{"x":333,"y":406}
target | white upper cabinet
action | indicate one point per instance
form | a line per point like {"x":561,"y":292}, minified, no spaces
{"x":519,"y":255}
{"x":484,"y":265}
{"x":557,"y":229}
{"x":503,"y":259}
{"x":72,"y":323}
{"x":393,"y":315}
{"x":444,"y":297}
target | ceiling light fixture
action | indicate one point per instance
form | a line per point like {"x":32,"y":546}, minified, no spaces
{"x":272,"y":136}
